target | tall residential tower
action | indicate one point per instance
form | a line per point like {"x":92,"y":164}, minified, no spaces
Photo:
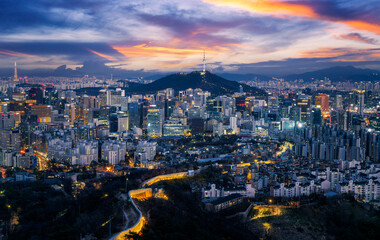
{"x":15,"y":77}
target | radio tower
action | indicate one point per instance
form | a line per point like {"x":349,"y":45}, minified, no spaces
{"x":204,"y":61}
{"x":15,"y":77}
{"x":203,"y":73}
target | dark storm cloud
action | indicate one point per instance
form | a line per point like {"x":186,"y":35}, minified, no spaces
{"x":75,"y":51}
{"x":332,"y":9}
{"x":357,"y":37}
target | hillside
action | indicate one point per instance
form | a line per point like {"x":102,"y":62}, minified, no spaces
{"x":340,"y":219}
{"x":181,"y":81}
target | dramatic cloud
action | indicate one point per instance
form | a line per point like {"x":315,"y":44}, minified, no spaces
{"x":12,"y":53}
{"x":319,"y":10}
{"x":171,"y":35}
{"x":357,"y":37}
{"x":108,"y":57}
{"x":343,"y":54}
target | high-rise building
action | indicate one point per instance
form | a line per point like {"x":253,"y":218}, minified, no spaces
{"x":7,"y":121}
{"x":361,"y":102}
{"x":43,"y":113}
{"x":116,"y":97}
{"x":316,"y":116}
{"x":233,"y":124}
{"x":322,"y":102}
{"x":174,"y":129}
{"x":303,"y":102}
{"x":145,"y":152}
{"x":10,"y":139}
{"x":154,"y":121}
{"x":338,"y":102}
{"x":123,"y":122}
{"x":36,"y":93}
{"x":134,"y":112}
{"x":272,"y":104}
{"x":240,"y":104}
{"x":113,"y":151}
{"x":90,"y":102}
{"x":113,"y":123}
{"x":15,"y":77}
{"x":70,"y":112}
{"x":104,"y":97}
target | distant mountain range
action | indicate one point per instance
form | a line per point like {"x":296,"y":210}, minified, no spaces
{"x":339,"y":74}
{"x":91,"y":68}
{"x":335,"y":74}
{"x":100,"y":70}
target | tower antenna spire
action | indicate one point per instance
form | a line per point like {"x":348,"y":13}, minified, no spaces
{"x":204,"y":60}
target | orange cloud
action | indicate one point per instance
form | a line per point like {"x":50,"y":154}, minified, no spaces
{"x":361,"y":25}
{"x":343,"y":54}
{"x":108,"y":57}
{"x":268,"y":6}
{"x":12,"y":53}
{"x":324,"y":53}
{"x":143,"y":50}
{"x":278,"y":7}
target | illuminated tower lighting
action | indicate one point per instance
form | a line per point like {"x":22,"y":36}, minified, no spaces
{"x":203,"y":73}
{"x":15,"y":77}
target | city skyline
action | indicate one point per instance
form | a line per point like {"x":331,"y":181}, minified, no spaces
{"x":189,"y":119}
{"x":238,"y":36}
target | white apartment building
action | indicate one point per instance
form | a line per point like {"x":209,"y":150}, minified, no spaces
{"x":114,"y":151}
{"x":367,"y":190}
{"x":213,"y":192}
{"x":145,"y":151}
{"x":295,"y":190}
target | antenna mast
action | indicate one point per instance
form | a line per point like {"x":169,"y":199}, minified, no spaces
{"x":204,"y":60}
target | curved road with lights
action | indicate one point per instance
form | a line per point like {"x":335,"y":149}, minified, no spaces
{"x":141,"y":194}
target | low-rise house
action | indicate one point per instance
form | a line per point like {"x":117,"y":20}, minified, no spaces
{"x":223,"y":203}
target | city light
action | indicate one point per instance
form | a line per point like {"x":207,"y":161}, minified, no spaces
{"x":153,"y":119}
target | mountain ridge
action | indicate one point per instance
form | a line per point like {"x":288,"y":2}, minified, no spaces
{"x":100,"y":70}
{"x":181,"y":81}
{"x":339,"y":74}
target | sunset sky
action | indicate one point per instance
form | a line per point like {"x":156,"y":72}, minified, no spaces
{"x":245,"y":36}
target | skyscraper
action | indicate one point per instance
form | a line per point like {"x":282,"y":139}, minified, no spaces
{"x":316,"y":116}
{"x":15,"y":77}
{"x":322,"y":102}
{"x":361,"y":102}
{"x":272,"y":104}
{"x":155,"y":121}
{"x":339,"y":102}
{"x":303,"y":102}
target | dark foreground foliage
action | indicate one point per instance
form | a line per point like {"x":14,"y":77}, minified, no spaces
{"x":34,"y":210}
{"x":183,"y":217}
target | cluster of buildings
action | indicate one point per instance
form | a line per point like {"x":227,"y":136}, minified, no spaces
{"x":295,"y":141}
